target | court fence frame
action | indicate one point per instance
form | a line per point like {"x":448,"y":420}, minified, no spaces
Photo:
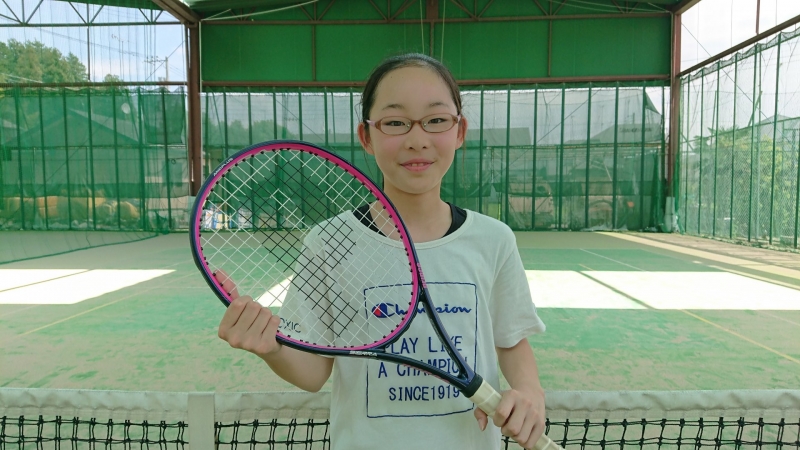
{"x":738,"y":167}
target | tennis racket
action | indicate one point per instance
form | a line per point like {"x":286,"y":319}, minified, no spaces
{"x":278,"y":218}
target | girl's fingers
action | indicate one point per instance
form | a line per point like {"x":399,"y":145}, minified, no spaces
{"x":231,"y":316}
{"x":228,"y":285}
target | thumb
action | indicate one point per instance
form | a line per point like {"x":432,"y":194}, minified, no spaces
{"x":481,"y":417}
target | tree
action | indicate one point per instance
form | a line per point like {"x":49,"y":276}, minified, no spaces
{"x":32,"y":61}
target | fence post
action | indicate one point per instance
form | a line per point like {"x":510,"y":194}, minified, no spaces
{"x":774,"y":139}
{"x":733,"y":139}
{"x":716,"y":154}
{"x":588,"y":158}
{"x":17,"y":94}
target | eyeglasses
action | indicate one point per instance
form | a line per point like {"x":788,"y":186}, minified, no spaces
{"x":396,"y":125}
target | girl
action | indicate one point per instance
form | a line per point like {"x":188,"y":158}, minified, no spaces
{"x":413,"y":125}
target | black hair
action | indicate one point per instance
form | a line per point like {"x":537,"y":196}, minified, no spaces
{"x":407,"y":60}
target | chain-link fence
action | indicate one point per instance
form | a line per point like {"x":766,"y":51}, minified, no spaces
{"x":739,"y":145}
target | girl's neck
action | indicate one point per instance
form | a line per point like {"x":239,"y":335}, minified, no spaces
{"x":426,"y":216}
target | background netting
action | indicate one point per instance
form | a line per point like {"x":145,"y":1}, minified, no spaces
{"x":90,"y":159}
{"x":44,"y":418}
{"x":545,"y":157}
{"x":739,"y":146}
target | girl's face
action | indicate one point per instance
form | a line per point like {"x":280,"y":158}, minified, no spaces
{"x":415,"y":162}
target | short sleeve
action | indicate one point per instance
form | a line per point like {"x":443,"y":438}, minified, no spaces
{"x":514,"y":315}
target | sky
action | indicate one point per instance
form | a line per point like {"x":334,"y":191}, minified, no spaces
{"x":139,"y":53}
{"x":713,"y":26}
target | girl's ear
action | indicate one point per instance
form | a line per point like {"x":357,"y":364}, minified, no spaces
{"x":363,"y":138}
{"x":462,"y":131}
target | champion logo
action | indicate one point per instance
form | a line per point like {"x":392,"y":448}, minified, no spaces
{"x":384,"y":310}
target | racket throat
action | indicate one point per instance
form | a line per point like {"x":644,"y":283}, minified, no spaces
{"x":470,"y":389}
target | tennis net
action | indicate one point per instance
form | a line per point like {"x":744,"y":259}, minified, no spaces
{"x":83,"y":419}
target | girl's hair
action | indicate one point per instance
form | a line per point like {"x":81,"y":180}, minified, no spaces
{"x":407,"y":60}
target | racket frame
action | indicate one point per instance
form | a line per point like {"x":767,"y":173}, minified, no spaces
{"x":467,"y":381}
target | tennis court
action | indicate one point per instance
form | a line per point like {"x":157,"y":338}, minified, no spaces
{"x":624,"y":312}
{"x":645,"y":154}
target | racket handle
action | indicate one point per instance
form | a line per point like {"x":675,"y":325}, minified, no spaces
{"x":487,"y":398}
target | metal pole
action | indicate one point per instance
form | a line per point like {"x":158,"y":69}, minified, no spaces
{"x":142,"y":167}
{"x":716,"y":155}
{"x":507,"y":193}
{"x":733,"y":140}
{"x":327,"y":172}
{"x":685,"y":163}
{"x":116,"y":153}
{"x":588,"y":158}
{"x":44,"y":162}
{"x":352,"y":129}
{"x":205,"y":141}
{"x":662,"y":162}
{"x":250,"y":165}
{"x":278,"y":221}
{"x":480,"y":160}
{"x":797,"y":187}
{"x":756,"y":98}
{"x":195,"y":124}
{"x":535,"y":148}
{"x":91,"y":157}
{"x":17,"y":94}
{"x":302,"y":199}
{"x":561,"y":159}
{"x":774,"y":138}
{"x":614,"y":176}
{"x":167,"y":160}
{"x":700,"y":161}
{"x":641,"y":159}
{"x":66,"y":160}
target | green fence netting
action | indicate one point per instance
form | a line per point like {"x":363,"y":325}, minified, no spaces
{"x":738,"y":166}
{"x":544,"y":157}
{"x":114,"y":159}
{"x":93,"y":159}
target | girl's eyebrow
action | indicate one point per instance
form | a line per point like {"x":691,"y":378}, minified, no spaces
{"x":399,"y":106}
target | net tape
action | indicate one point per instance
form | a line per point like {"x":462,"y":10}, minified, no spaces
{"x":44,"y":418}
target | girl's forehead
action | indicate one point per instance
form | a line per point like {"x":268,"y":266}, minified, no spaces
{"x":410,"y":87}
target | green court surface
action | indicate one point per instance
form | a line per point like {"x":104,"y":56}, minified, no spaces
{"x":623,"y":312}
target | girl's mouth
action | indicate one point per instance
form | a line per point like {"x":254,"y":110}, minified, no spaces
{"x":417,"y":165}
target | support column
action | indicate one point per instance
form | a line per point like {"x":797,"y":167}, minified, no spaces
{"x":670,"y":219}
{"x":194,"y":123}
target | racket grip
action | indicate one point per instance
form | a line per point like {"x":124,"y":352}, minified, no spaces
{"x":487,"y":398}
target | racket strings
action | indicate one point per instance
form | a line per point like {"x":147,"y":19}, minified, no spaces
{"x":288,"y":194}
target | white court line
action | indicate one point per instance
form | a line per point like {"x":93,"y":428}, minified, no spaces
{"x":700,"y":290}
{"x":15,"y":278}
{"x":570,"y":289}
{"x":753,"y":265}
{"x":276,"y":295}
{"x":78,"y":287}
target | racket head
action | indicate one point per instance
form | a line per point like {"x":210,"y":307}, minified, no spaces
{"x":265,"y":216}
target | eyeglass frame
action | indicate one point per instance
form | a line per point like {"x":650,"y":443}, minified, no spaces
{"x":376,"y":123}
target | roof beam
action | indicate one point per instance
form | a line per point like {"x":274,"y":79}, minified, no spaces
{"x":180,"y":11}
{"x":684,"y":6}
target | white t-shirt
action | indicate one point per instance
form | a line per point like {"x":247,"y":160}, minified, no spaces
{"x":477,"y":283}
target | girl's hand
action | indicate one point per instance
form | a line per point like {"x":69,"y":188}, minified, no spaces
{"x":246,"y":324}
{"x":520,"y":416}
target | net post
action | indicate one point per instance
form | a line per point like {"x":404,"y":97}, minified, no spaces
{"x":201,"y":421}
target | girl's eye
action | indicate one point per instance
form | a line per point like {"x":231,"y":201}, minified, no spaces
{"x":394,"y":123}
{"x":437,"y":120}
